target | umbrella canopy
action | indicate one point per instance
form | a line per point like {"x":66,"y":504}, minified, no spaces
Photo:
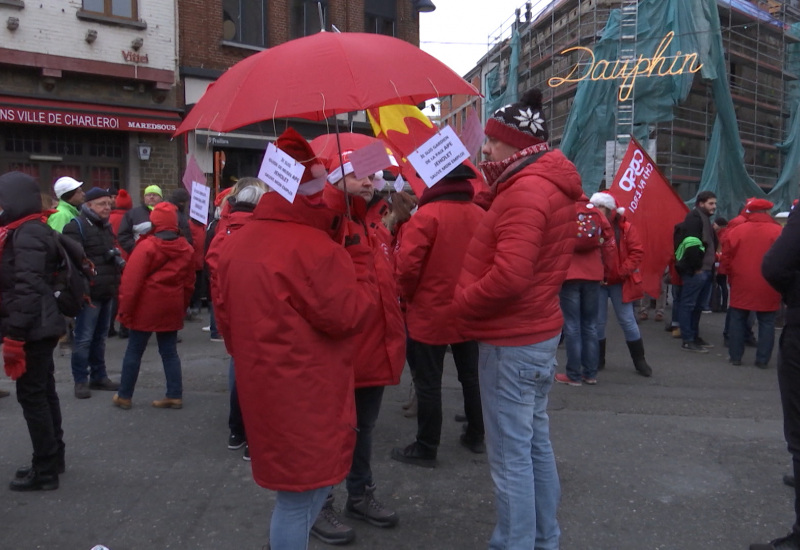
{"x":318,"y":76}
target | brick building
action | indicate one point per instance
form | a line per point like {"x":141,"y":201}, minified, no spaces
{"x":88,"y":90}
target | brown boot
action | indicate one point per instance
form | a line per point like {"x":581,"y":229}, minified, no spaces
{"x":4,"y":393}
{"x":168,"y":403}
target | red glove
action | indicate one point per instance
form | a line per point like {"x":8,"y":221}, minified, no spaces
{"x":13,"y":357}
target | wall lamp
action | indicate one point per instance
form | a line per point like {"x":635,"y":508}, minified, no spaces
{"x":91,"y":36}
{"x":12,"y":23}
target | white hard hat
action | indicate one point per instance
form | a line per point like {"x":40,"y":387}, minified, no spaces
{"x":65,"y":185}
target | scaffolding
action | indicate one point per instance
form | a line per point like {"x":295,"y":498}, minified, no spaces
{"x":755,"y":36}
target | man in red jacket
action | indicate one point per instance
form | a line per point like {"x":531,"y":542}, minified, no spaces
{"x":743,"y":248}
{"x":507,"y":299}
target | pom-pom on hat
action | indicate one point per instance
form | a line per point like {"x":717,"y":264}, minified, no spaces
{"x":164,"y":217}
{"x":521,"y":124}
{"x":756,"y":205}
{"x":95,"y":193}
{"x":606,"y":200}
{"x":296,"y":146}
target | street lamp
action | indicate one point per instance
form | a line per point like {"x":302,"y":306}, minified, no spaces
{"x":424,"y":6}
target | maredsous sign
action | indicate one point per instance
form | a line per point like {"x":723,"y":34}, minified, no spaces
{"x":630,"y":70}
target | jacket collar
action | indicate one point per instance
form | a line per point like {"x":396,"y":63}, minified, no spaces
{"x":310,"y":211}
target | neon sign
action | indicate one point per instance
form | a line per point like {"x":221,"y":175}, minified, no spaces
{"x":630,"y":70}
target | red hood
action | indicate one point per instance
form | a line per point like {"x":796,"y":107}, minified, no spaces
{"x":304,"y":210}
{"x":552,"y":166}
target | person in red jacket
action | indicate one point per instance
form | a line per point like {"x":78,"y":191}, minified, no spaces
{"x":579,"y":296}
{"x":292,"y":298}
{"x":379,"y":353}
{"x":428,"y":263}
{"x":507,"y":299}
{"x":743,"y":248}
{"x":622,"y":283}
{"x":122,"y":203}
{"x":154,"y":293}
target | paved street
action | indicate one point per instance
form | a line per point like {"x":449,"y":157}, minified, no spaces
{"x":689,"y":459}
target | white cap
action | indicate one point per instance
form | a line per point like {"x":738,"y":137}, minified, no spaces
{"x":65,"y":185}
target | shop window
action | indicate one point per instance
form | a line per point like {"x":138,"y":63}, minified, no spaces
{"x":105,"y":146}
{"x":245,"y":22}
{"x":113,"y":8}
{"x":380,"y":16}
{"x":105,"y":177}
{"x":22,"y":141}
{"x":305,"y":17}
{"x":64,"y":144}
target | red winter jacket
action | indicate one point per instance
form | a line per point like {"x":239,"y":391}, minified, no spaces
{"x":233,"y":222}
{"x":742,"y":251}
{"x":198,"y":243}
{"x":289,"y":309}
{"x":630,"y":253}
{"x":430,"y":252}
{"x":587,"y":265}
{"x":507,"y":293}
{"x":157,"y":282}
{"x":380,"y":349}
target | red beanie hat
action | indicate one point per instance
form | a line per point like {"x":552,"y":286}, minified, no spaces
{"x":756,"y":205}
{"x":124,"y":201}
{"x":296,"y":146}
{"x":520,"y":125}
{"x":164,"y":217}
{"x":221,"y":196}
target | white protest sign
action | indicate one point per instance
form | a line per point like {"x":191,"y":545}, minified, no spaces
{"x":281,"y":172}
{"x":201,"y":197}
{"x":438,"y":156}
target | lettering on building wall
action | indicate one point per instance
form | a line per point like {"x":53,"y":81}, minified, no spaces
{"x":133,"y":57}
{"x":629,"y":70}
{"x":82,"y":120}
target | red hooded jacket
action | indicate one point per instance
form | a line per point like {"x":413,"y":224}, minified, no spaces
{"x":507,"y":293}
{"x":630,"y":252}
{"x":122,"y":205}
{"x":289,"y":309}
{"x":742,"y":251}
{"x":198,"y":243}
{"x":380,"y":352}
{"x":233,"y":222}
{"x":430,"y":252}
{"x":158,"y":280}
{"x":587,"y":265}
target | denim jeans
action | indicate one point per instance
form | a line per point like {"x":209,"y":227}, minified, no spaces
{"x":738,"y":333}
{"x":368,"y":405}
{"x":36,"y":394}
{"x":579,"y":304}
{"x":515,"y":382}
{"x":89,"y":347}
{"x":694,"y":295}
{"x":235,"y":421}
{"x":293,"y":516}
{"x":429,"y":360}
{"x":132,"y":361}
{"x":624,"y":312}
{"x":789,"y":386}
{"x":676,"y":304}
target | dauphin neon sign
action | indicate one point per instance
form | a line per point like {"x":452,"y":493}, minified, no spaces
{"x":629,"y":71}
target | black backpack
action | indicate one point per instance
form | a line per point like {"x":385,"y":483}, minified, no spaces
{"x":72,"y":277}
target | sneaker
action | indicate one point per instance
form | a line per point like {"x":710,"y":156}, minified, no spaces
{"x":82,"y":390}
{"x":416,"y":455}
{"x":104,"y":384}
{"x":700,"y":342}
{"x":789,"y":542}
{"x":692,"y":346}
{"x":659,"y":315}
{"x":564,"y":379}
{"x":4,"y":393}
{"x":366,"y":508}
{"x":246,"y":454}
{"x":590,"y":381}
{"x":216,"y":339}
{"x":329,"y":529}
{"x":206,"y":329}
{"x":735,"y":362}
{"x":236,"y":441}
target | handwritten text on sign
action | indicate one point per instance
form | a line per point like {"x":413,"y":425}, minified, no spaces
{"x":198,"y":208}
{"x":438,"y":156}
{"x":281,"y":172}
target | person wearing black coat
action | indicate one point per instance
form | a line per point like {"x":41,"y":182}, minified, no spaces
{"x":93,"y":230}
{"x":136,"y":221}
{"x":31,"y":324}
{"x":781,"y":268}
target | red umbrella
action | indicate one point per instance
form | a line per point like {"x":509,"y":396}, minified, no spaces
{"x":318,"y":76}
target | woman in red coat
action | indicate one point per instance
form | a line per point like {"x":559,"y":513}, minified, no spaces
{"x":156,"y":287}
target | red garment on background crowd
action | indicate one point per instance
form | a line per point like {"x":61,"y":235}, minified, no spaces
{"x":517,"y":261}
{"x":630,"y":253}
{"x":233,"y":222}
{"x":198,"y":242}
{"x":588,"y":265}
{"x":430,"y":253}
{"x":380,"y":349}
{"x":742,"y":251}
{"x":158,"y":280}
{"x":122,"y":205}
{"x":288,"y":312}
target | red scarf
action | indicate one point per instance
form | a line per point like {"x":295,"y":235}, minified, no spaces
{"x":493,"y":170}
{"x":13,"y":225}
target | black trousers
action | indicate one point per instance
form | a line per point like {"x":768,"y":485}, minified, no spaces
{"x":789,"y":384}
{"x":428,"y":367}
{"x":36,"y":393}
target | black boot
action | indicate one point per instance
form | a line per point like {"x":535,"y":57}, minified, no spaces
{"x":601,"y":363}
{"x":636,"y":348}
{"x":34,"y":481}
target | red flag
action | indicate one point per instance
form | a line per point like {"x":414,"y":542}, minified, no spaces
{"x":404,"y":128}
{"x":652,"y":206}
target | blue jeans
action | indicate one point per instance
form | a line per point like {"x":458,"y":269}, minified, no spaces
{"x":676,"y":304}
{"x":89,"y":347}
{"x":694,"y":295}
{"x":579,"y":305}
{"x":293,"y":516}
{"x":368,"y":406}
{"x":738,"y":333}
{"x":623,"y":311}
{"x":515,"y":382}
{"x":132,"y":361}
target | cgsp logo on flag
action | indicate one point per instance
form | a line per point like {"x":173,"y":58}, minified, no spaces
{"x":636,"y":169}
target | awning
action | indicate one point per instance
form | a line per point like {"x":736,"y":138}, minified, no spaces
{"x":46,"y":112}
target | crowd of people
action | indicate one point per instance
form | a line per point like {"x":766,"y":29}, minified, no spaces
{"x":320,"y":303}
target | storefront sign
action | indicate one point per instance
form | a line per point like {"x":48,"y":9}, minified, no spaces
{"x":97,"y":121}
{"x":133,"y":57}
{"x":629,"y":71}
